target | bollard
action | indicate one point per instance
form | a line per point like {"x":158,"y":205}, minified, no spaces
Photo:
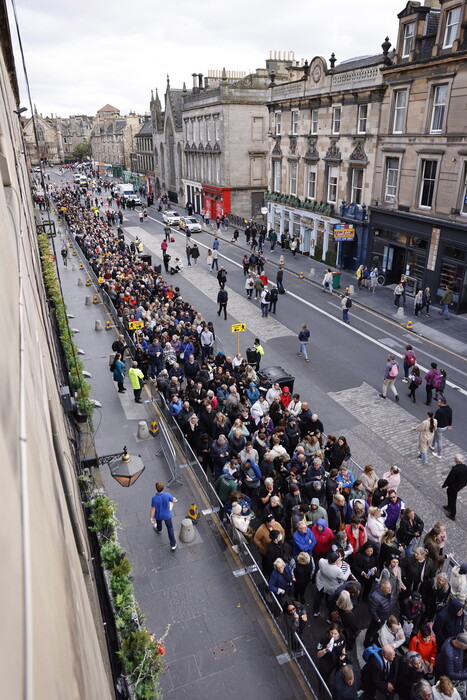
{"x":351,"y":290}
{"x":88,"y":301}
{"x":143,"y":432}
{"x":400,"y":312}
{"x":80,"y":282}
{"x":73,"y":268}
{"x":98,"y":326}
{"x":301,"y":275}
{"x":187,"y":531}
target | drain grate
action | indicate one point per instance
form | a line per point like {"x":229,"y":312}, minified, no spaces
{"x":223,"y":650}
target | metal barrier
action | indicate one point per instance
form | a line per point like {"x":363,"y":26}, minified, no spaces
{"x":166,"y":446}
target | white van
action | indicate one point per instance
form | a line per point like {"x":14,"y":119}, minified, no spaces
{"x":124,"y":190}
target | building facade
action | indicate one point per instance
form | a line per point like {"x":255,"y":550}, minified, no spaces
{"x":73,"y":131}
{"x":168,"y":144}
{"x":113,"y":137}
{"x":49,"y":145}
{"x":418,"y":211}
{"x":323,"y":129}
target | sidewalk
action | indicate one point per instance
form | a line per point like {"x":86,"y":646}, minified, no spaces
{"x":452,"y":335}
{"x":220,"y":641}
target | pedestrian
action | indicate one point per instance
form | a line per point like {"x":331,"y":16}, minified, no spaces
{"x":446,"y":302}
{"x":450,"y":660}
{"x":398,"y":292}
{"x":246,"y":265}
{"x":235,"y":235}
{"x":265,"y":298}
{"x":249,"y":285}
{"x":426,"y":300}
{"x":455,"y":481}
{"x":294,"y":246}
{"x":327,"y":281}
{"x":418,"y":302}
{"x":64,"y":253}
{"x":280,"y":281}
{"x":426,"y":432}
{"x":259,"y":352}
{"x":443,"y":418}
{"x":136,"y":377}
{"x":222,"y":277}
{"x":222,"y":298}
{"x":209,"y":259}
{"x":373,"y":275}
{"x":415,"y":381}
{"x":432,"y":381}
{"x":215,"y":243}
{"x":281,"y":580}
{"x":346,"y":305}
{"x":272,"y":238}
{"x":118,"y":368}
{"x":161,"y":511}
{"x":441,"y":385}
{"x":359,"y":276}
{"x":303,"y":338}
{"x":390,"y":375}
{"x":345,"y":686}
{"x":141,"y":216}
{"x":167,"y":233}
{"x":379,"y":606}
{"x":215,"y":259}
{"x":188,"y":253}
{"x":195,"y":253}
{"x":274,"y":294}
{"x":166,"y":259}
{"x":409,"y":360}
{"x":330,"y":651}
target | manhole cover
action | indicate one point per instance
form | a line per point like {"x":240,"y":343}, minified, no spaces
{"x":223,"y":650}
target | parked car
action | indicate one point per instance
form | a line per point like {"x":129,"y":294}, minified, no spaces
{"x":189,"y":223}
{"x":171,"y":218}
{"x":133,"y":198}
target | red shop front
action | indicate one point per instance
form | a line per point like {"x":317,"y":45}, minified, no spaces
{"x":216,"y":200}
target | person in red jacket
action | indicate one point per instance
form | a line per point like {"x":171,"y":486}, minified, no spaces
{"x":324,"y":538}
{"x":424,"y":643}
{"x":356,"y":534}
{"x":285,"y":397}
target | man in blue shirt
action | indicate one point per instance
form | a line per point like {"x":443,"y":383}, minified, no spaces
{"x":161,"y":510}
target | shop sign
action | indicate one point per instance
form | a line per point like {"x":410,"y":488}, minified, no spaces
{"x":344,"y":232}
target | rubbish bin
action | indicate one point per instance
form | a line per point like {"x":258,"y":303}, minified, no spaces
{"x":336,"y":280}
{"x":269,"y":375}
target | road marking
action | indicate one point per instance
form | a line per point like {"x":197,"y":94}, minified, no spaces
{"x":337,"y":320}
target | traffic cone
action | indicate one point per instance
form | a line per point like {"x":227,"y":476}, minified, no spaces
{"x":95,"y":300}
{"x":193,"y":513}
{"x":108,"y":325}
{"x":154,"y":429}
{"x":88,"y":282}
{"x":81,"y":266}
{"x":409,"y":325}
{"x":70,"y":245}
{"x":301,"y":275}
{"x":281,"y":260}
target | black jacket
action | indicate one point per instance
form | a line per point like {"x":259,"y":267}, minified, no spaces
{"x":374,"y":676}
{"x":457,"y":477}
{"x":408,"y":529}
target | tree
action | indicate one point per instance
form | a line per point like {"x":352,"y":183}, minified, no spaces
{"x":82,"y":150}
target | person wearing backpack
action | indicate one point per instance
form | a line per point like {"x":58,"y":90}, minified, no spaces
{"x":432,"y":381}
{"x":274,"y":296}
{"x":409,"y":360}
{"x":390,"y":375}
{"x":346,"y":305}
{"x":415,"y":381}
{"x":379,"y":673}
{"x":265,"y":300}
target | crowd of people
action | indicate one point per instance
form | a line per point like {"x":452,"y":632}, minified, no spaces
{"x":330,"y":542}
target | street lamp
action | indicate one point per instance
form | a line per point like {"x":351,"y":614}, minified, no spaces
{"x":126,"y":469}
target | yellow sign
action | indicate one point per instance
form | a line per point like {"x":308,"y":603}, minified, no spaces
{"x":238,"y":327}
{"x":134,"y":325}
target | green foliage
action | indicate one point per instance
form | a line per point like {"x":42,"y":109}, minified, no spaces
{"x":82,"y":150}
{"x":111,"y":553}
{"x":102,"y":517}
{"x":331,"y":258}
{"x":141,"y":656}
{"x":318,"y":253}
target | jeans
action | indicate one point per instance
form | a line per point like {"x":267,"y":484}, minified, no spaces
{"x":345,"y":315}
{"x":264,"y":309}
{"x":445,"y":311}
{"x":215,"y":264}
{"x":170,"y":530}
{"x":423,"y":457}
{"x":272,"y":307}
{"x":302,"y":350}
{"x":438,"y":440}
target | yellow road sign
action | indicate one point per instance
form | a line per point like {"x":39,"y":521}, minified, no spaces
{"x":238,"y":327}
{"x":134,"y":325}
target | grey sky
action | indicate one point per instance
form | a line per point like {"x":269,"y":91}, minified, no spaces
{"x":81,"y":55}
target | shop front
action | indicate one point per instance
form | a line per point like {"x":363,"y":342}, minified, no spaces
{"x":431,"y":253}
{"x":313,"y":230}
{"x":194,"y":194}
{"x":216,"y":200}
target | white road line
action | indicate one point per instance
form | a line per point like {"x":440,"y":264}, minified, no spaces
{"x":336,"y":320}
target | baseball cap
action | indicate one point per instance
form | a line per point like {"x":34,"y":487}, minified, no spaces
{"x":463,"y":568}
{"x":416,"y":597}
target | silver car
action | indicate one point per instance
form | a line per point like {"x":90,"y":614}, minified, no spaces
{"x":189,"y":223}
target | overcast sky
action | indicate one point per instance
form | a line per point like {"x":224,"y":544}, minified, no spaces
{"x":82,"y":54}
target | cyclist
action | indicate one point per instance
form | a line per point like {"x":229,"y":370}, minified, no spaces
{"x":65,"y":255}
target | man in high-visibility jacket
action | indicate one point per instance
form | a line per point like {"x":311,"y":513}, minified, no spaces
{"x":136,"y":377}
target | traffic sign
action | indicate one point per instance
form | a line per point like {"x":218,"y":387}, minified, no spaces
{"x":135,"y":325}
{"x":238,"y":327}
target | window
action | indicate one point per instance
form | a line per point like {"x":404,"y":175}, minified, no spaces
{"x":452,"y":22}
{"x":314,"y":121}
{"x":276,"y":175}
{"x":209,"y":129}
{"x":428,"y":181}
{"x":362,"y":119}
{"x":440,"y":94}
{"x":409,"y":31}
{"x":336,"y":120}
{"x":293,"y":178}
{"x":218,"y":170}
{"x":400,"y":103}
{"x":311,"y":193}
{"x":216,"y":129}
{"x":332,"y":184}
{"x":277,"y":123}
{"x":356,"y":193}
{"x":464,"y":194}
{"x":257,"y":129}
{"x":295,"y":122}
{"x":392,"y":178}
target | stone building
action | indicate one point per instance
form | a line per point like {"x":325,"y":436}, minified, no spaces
{"x":168,"y":143}
{"x":72,"y":131}
{"x":51,"y":621}
{"x":419,"y":202}
{"x":113,"y":137}
{"x":49,"y":146}
{"x":142,"y":161}
{"x":323,"y":132}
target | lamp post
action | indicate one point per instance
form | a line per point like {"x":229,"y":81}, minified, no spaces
{"x":124,"y":468}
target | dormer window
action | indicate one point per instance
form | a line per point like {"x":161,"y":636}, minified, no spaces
{"x":452,"y":23}
{"x":409,"y":33}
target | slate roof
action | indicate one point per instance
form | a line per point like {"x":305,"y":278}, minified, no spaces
{"x":107,"y":108}
{"x":145,"y":129}
{"x":359,"y":62}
